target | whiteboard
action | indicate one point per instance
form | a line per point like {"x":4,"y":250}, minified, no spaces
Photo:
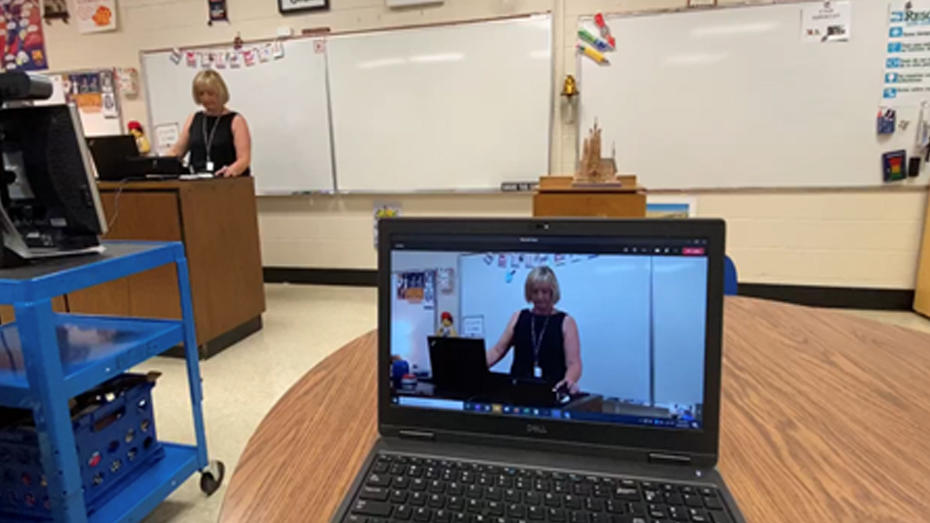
{"x":455,"y":107}
{"x":284,"y":102}
{"x":731,"y":97}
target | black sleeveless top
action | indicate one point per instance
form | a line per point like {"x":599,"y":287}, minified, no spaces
{"x":222,"y":148}
{"x":551,"y":356}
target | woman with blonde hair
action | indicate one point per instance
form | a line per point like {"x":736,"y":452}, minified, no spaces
{"x":218,"y":139}
{"x":545,"y":340}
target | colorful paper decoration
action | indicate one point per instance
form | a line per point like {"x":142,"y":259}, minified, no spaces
{"x":248,"y":57}
{"x":235,"y":58}
{"x":94,"y":16}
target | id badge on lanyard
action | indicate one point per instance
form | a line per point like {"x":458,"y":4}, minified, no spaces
{"x":208,"y":140}
{"x":537,"y":371}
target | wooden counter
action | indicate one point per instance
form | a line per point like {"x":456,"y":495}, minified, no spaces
{"x":557,"y":196}
{"x":218,"y":223}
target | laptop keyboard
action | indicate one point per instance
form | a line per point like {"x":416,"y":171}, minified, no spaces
{"x":411,"y":488}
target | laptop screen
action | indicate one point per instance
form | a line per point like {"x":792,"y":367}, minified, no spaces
{"x":608,"y":330}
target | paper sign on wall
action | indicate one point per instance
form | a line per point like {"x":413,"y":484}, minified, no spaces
{"x":166,"y":135}
{"x":473,"y":327}
{"x":94,"y":16}
{"x":907,"y":62}
{"x":827,"y":22}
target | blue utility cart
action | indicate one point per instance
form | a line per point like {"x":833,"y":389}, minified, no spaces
{"x":40,"y":370}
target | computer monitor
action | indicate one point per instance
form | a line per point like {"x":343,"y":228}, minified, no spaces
{"x":50,"y":203}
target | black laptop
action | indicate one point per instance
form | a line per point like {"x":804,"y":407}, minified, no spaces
{"x":112,"y":155}
{"x":157,"y":167}
{"x":458,"y":365}
{"x":639,"y":342}
{"x":117,"y":158}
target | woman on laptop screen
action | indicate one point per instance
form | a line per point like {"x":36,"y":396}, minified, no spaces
{"x":545,"y":340}
{"x":217,"y":138}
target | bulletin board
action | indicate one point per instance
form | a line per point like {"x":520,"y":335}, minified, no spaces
{"x":95,"y":93}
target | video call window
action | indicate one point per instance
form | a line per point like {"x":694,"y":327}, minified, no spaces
{"x":594,"y":337}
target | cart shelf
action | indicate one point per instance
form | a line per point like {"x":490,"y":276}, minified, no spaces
{"x":93,"y":349}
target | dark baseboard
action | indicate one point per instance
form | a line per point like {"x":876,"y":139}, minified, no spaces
{"x":837,"y":297}
{"x":223,"y":341}
{"x":350,"y":277}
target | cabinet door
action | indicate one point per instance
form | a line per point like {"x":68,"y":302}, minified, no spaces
{"x":137,"y":215}
{"x":604,"y":205}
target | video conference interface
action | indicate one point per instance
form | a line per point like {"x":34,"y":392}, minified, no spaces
{"x":561,"y":328}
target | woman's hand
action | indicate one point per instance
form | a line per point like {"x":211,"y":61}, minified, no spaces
{"x":567,"y":385}
{"x":228,"y":171}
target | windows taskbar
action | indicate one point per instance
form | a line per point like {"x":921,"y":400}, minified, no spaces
{"x":540,"y":412}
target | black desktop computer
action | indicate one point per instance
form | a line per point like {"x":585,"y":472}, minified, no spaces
{"x":50,"y":205}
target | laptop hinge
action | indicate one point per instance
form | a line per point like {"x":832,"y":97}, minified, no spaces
{"x":417,"y":434}
{"x":669,"y":459}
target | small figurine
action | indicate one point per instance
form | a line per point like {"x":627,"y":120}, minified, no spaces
{"x":446,"y":328}
{"x":142,"y":143}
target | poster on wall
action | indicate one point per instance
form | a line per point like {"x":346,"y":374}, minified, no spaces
{"x":86,"y":92}
{"x":94,"y":16}
{"x":907,"y":62}
{"x":218,"y":12}
{"x":24,"y":45}
{"x":659,"y":206}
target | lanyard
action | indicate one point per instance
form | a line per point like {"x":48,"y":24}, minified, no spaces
{"x":537,"y":342}
{"x":208,"y":141}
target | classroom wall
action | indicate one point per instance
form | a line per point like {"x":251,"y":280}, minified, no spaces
{"x":862,"y":238}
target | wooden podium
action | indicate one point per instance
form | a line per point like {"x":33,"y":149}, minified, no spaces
{"x":558,"y":196}
{"x":218,"y":223}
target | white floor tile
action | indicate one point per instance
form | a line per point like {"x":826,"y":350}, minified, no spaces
{"x":303,"y":325}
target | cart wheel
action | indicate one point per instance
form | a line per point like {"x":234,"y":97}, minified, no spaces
{"x":212,"y":478}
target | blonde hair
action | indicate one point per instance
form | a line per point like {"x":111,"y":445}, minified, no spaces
{"x":210,"y":80}
{"x":541,"y":274}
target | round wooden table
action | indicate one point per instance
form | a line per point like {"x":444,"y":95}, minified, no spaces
{"x":825,"y":417}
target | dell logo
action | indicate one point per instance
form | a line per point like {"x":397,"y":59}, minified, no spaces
{"x":536,"y":429}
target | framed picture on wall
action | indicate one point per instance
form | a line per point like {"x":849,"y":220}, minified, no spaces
{"x":296,"y":6}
